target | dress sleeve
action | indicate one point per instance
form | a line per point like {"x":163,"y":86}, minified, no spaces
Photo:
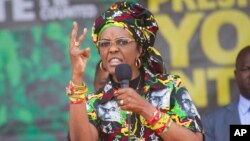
{"x":182,"y":108}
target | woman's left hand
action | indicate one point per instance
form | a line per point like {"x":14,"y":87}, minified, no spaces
{"x":130,"y":100}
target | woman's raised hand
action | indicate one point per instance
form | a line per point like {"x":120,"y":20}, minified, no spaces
{"x":78,"y":56}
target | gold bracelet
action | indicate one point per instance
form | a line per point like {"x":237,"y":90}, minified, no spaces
{"x":76,"y":93}
{"x":73,"y":89}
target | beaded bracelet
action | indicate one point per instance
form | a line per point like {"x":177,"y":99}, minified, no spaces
{"x":167,"y":128}
{"x":73,"y":89}
{"x":76,"y":93}
{"x":163,"y":128}
{"x":80,"y":101}
{"x":162,"y":124}
{"x":157,"y":116}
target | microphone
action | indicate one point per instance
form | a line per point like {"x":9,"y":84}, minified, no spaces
{"x":123,"y":74}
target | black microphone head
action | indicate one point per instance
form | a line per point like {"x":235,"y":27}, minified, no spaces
{"x":123,"y":72}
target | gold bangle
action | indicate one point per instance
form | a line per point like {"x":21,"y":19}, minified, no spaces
{"x":73,"y":89}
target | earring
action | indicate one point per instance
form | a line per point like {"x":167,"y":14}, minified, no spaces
{"x":138,"y":62}
{"x":101,"y":67}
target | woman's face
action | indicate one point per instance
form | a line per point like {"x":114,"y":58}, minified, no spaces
{"x":117,"y":46}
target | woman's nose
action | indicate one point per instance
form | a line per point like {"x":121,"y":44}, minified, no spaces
{"x":113,"y":48}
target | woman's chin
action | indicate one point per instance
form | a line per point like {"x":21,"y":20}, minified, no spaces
{"x":111,"y":70}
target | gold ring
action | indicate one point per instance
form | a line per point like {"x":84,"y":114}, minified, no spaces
{"x":77,"y":44}
{"x":121,"y":102}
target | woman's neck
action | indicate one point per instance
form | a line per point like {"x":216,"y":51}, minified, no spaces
{"x":135,"y":74}
{"x":135,"y":81}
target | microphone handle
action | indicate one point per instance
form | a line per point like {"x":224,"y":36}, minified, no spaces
{"x":125,"y":84}
{"x":129,"y":124}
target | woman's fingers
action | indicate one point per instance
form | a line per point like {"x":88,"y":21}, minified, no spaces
{"x":122,"y":91}
{"x":78,"y":56}
{"x":127,"y":98}
{"x":128,"y":104}
{"x":121,"y":102}
{"x":125,"y":101}
{"x":82,"y":36}
{"x":74,"y":41}
{"x":85,"y":52}
{"x":73,"y":34}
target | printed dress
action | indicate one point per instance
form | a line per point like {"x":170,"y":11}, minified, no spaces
{"x":165,"y":92}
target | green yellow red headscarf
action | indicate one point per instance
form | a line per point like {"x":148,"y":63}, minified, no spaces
{"x":140,"y":23}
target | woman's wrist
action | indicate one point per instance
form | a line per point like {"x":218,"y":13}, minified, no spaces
{"x":148,"y":111}
{"x":156,"y":116}
{"x":77,"y":79}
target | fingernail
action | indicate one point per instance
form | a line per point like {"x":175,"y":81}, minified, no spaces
{"x":87,"y":48}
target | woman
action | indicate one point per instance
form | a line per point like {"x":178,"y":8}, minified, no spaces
{"x":125,"y":33}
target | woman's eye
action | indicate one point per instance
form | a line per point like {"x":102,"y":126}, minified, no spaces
{"x":122,"y":42}
{"x":104,"y":44}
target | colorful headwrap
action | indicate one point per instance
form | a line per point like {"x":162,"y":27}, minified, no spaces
{"x":140,"y":23}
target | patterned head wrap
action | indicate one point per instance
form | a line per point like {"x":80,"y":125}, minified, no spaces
{"x":140,"y":23}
